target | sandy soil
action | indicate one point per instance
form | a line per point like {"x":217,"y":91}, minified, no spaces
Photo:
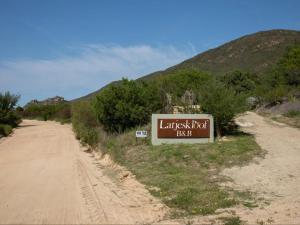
{"x":276,"y":178}
{"x":46,"y":178}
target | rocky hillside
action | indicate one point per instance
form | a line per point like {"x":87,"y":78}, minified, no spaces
{"x":48,"y":101}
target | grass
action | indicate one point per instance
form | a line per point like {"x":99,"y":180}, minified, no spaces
{"x":234,"y":220}
{"x":293,"y":114}
{"x":291,"y":118}
{"x":185,"y":176}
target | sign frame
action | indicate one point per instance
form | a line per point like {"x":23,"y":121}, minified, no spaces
{"x":157,"y":141}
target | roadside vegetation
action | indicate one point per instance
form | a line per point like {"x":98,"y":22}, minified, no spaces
{"x":224,"y":104}
{"x":60,"y":112}
{"x":234,"y":220}
{"x":9,"y":117}
{"x":127,"y":105}
{"x":85,"y":123}
{"x":283,"y":81}
{"x":185,"y":177}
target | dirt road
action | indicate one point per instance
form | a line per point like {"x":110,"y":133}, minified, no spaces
{"x":276,"y":178}
{"x":46,"y":178}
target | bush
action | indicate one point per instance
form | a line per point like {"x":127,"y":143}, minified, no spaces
{"x":60,"y":112}
{"x":5,"y":130}
{"x":276,"y":94}
{"x":292,"y":113}
{"x":126,"y":105}
{"x":85,"y":123}
{"x":289,"y":66}
{"x":177,"y":82}
{"x":283,"y":80}
{"x":239,"y":81}
{"x":8,"y":114}
{"x":223,"y":103}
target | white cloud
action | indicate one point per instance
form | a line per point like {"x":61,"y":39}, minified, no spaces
{"x":93,"y":67}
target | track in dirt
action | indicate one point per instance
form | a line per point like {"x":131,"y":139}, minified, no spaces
{"x":276,"y":177}
{"x":46,"y":178}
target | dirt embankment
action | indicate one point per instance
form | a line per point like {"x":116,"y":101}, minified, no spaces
{"x":46,"y":178}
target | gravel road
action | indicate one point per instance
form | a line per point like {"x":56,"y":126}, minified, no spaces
{"x":275,"y":178}
{"x":46,"y":178}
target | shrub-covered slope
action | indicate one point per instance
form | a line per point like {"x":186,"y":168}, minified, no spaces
{"x":255,"y":53}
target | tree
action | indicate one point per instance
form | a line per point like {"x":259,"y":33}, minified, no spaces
{"x":177,"y":82}
{"x":126,"y":105}
{"x":7,"y":112}
{"x":239,"y":81}
{"x":223,"y":103}
{"x":283,"y":80}
{"x":289,"y":66}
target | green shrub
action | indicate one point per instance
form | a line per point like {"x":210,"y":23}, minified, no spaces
{"x":223,"y":103}
{"x":126,"y":105}
{"x":8,"y":113}
{"x":289,"y":66}
{"x":5,"y":130}
{"x":276,"y":94}
{"x":85,"y":124}
{"x":292,"y":113}
{"x":177,"y":82}
{"x":59,"y":112}
{"x":239,"y":81}
{"x":283,"y":80}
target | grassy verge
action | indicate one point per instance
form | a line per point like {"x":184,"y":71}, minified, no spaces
{"x":185,"y":176}
{"x":292,"y":118}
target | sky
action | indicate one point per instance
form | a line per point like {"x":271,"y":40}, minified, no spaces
{"x":71,"y":48}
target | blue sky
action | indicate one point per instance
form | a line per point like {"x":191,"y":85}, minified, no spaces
{"x":71,"y":48}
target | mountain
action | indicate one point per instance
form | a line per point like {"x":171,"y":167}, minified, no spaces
{"x":254,"y":53}
{"x":94,"y":93}
{"x":48,"y":101}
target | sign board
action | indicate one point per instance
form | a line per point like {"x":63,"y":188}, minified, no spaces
{"x":182,"y":128}
{"x":141,"y":134}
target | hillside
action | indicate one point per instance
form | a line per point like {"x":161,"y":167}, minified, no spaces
{"x":94,"y":93}
{"x":256,"y":53}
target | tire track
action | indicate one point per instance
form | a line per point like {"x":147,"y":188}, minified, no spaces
{"x":94,"y":207}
